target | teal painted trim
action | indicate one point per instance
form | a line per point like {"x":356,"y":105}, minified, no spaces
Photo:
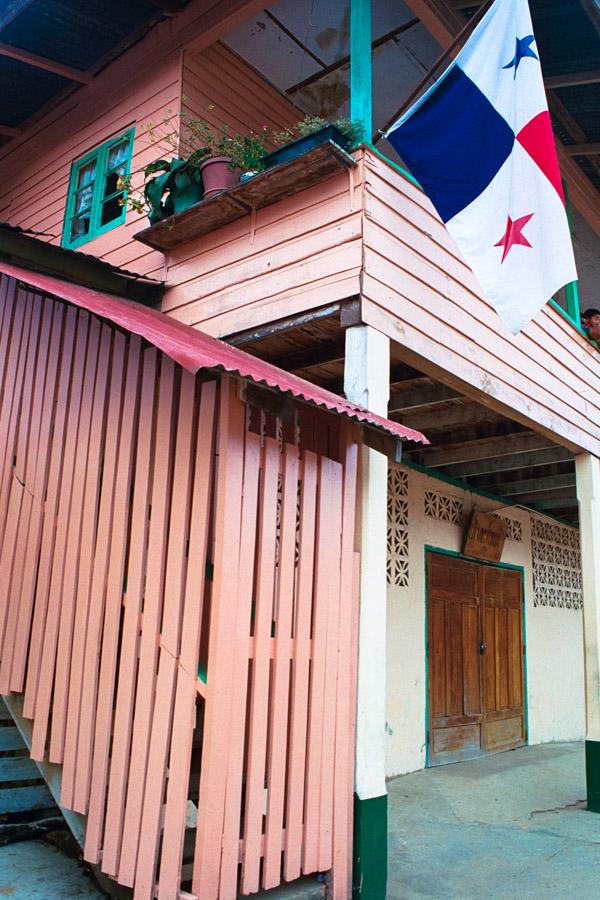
{"x":428,"y":548}
{"x":456,"y":482}
{"x":100,"y":155}
{"x":361,"y":90}
{"x":592,"y":775}
{"x":369,"y":869}
{"x":426,"y":657}
{"x":397,"y":168}
{"x":572,"y":288}
{"x":568,"y":318}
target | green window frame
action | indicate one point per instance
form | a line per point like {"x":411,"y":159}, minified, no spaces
{"x":93,"y":201}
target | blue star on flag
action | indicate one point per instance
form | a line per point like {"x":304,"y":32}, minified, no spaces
{"x":522,"y":49}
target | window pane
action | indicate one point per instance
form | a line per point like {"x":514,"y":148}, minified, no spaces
{"x":85,"y":175}
{"x":111,"y":209}
{"x":80,"y":225}
{"x":83,"y":199}
{"x":110,"y":181}
{"x":117,"y":154}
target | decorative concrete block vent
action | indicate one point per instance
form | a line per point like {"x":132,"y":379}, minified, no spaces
{"x":556,"y":565}
{"x":515,"y":529}
{"x":444,"y":507}
{"x":397,"y":527}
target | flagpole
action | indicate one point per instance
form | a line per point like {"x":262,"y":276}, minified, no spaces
{"x":463,"y":34}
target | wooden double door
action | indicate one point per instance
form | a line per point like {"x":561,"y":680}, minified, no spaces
{"x":475,"y":652}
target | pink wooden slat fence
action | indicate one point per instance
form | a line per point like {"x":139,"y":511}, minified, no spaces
{"x":177,"y":605}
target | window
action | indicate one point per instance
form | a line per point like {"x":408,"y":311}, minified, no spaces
{"x":93,"y":201}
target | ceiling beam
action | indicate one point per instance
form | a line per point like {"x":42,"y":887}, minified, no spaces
{"x":427,"y":395}
{"x":525,"y":460}
{"x":40,"y":62}
{"x":484,"y":448}
{"x":441,"y":21}
{"x":455,"y":416}
{"x":549,"y":499}
{"x":319,"y":355}
{"x":572,"y":79}
{"x":530,"y":485}
{"x":9,"y":131}
{"x":583,"y":149}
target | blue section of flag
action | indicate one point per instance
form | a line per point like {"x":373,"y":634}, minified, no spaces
{"x":454,"y":143}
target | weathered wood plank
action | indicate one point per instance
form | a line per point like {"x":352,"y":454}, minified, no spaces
{"x":153,"y":606}
{"x":185,"y":697}
{"x":128,"y":661}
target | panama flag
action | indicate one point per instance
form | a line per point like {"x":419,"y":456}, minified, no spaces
{"x":480,"y":143}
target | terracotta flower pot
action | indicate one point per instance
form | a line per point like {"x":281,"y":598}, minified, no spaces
{"x":217,"y":176}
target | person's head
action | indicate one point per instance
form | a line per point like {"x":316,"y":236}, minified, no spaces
{"x":592,"y":317}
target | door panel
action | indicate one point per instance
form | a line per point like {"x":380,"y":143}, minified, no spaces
{"x":454,"y":661}
{"x":475,"y":652}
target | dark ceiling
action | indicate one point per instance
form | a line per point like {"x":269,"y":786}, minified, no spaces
{"x":84,"y":35}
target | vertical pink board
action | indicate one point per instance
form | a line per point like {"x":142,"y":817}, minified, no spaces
{"x":187,"y":675}
{"x":95,"y":770}
{"x":151,"y":619}
{"x":259,"y":694}
{"x":128,"y":660}
{"x":239,"y":688}
{"x":301,"y":669}
{"x":341,"y":883}
{"x":323,"y":564}
{"x":50,"y":415}
{"x":224,"y":599}
{"x":78,"y":564}
{"x":44,"y":572}
{"x":170,"y":638}
{"x":29,"y":430}
{"x":280,"y":696}
{"x":88,"y":622}
{"x":43,"y":686}
{"x":331,"y":673}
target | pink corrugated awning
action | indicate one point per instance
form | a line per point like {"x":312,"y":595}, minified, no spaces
{"x":196,"y":350}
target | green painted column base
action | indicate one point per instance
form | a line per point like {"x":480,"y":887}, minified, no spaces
{"x":592,"y":774}
{"x":369,"y":874}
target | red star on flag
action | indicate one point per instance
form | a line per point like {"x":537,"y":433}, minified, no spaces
{"x":514,"y":234}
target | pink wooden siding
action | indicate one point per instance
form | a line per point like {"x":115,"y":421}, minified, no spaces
{"x":417,"y":289}
{"x":176,"y":655}
{"x":380,"y":237}
{"x":299,"y":253}
{"x":217,"y":85}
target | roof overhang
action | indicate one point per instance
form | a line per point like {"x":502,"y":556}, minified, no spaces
{"x":195,"y":350}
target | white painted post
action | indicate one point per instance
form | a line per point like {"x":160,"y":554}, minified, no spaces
{"x":587,"y":471}
{"x":367,"y":382}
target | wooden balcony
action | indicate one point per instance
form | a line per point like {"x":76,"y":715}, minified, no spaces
{"x":370,"y":233}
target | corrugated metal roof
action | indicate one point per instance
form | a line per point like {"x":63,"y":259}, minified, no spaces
{"x":196,"y":350}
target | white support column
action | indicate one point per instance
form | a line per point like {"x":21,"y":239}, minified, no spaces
{"x":367,"y":382}
{"x":587,"y":470}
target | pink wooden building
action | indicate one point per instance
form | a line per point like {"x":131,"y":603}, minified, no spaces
{"x":335,"y":268}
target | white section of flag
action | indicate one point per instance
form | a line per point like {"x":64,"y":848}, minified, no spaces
{"x":518,"y":98}
{"x":520,"y":286}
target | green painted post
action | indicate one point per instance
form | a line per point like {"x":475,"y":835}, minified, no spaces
{"x":572,"y":290}
{"x":361,"y":97}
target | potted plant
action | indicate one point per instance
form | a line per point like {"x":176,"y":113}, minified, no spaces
{"x":170,"y":186}
{"x":309,"y":133}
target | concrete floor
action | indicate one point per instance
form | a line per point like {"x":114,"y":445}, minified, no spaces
{"x":513,"y":825}
{"x":35,"y":870}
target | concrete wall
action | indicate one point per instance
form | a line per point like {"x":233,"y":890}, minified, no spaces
{"x":554,"y":645}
